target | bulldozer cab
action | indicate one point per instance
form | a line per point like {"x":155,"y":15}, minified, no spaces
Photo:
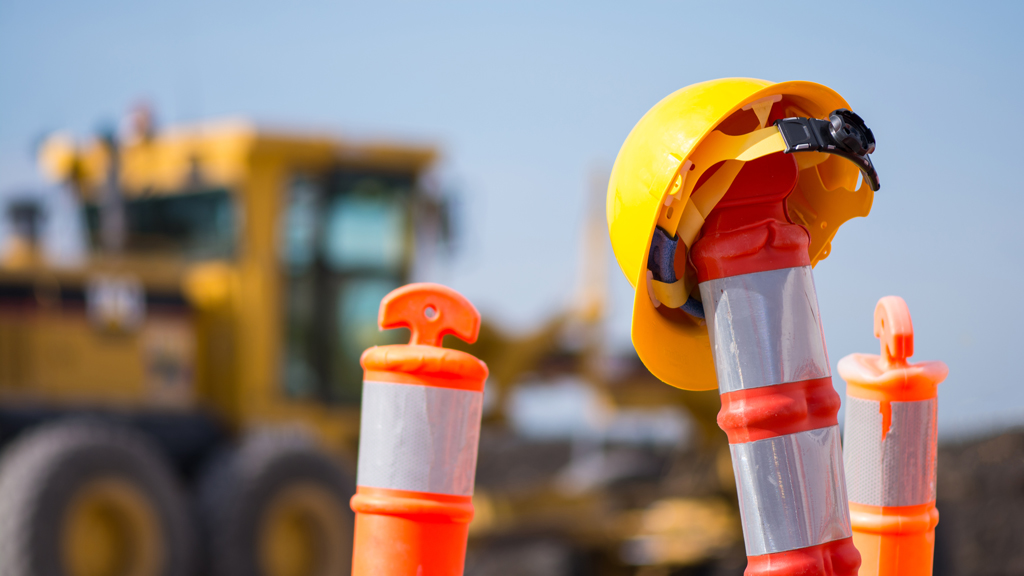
{"x":342,"y":238}
{"x":345,"y":244}
{"x":230,"y":271}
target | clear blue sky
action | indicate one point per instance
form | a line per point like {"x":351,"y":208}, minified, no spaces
{"x":527,"y":99}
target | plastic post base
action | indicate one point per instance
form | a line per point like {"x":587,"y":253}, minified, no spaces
{"x":836,"y":558}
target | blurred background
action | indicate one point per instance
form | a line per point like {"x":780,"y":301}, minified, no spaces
{"x":202,"y":204}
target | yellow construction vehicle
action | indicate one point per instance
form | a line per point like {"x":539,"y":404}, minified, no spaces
{"x":208,"y":344}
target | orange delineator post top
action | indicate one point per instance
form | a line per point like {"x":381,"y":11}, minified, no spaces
{"x":420,"y":430}
{"x":890,"y":448}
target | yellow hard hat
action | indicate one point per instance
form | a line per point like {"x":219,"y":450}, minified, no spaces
{"x":661,"y":179}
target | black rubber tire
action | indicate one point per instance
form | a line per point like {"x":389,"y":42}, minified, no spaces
{"x":237,"y":488}
{"x":41,"y":471}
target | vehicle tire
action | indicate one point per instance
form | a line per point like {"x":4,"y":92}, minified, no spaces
{"x":277,"y":506}
{"x":86,"y":498}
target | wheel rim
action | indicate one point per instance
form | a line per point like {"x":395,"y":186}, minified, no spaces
{"x":111,"y":529}
{"x":304,"y":533}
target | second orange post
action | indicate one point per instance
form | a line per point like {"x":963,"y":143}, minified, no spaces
{"x":420,"y":430}
{"x":890,"y":448}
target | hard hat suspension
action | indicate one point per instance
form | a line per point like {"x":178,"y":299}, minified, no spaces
{"x":716,"y":163}
{"x":663,"y":279}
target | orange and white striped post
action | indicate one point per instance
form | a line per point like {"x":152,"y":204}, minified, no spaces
{"x":419,"y":436}
{"x":779,"y":409}
{"x":890,"y":448}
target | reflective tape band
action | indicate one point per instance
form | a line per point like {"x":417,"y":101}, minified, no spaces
{"x":791,"y":491}
{"x":419,"y":438}
{"x":896,"y":471}
{"x":765,"y":328}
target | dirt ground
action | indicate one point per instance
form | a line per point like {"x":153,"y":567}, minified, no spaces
{"x":981,"y":507}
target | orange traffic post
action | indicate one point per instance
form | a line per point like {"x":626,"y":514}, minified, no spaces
{"x":419,"y":435}
{"x":890,"y":448}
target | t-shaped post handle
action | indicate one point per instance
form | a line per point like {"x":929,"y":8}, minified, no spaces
{"x":431,"y":312}
{"x":894,"y":329}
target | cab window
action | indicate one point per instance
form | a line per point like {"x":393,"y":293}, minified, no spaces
{"x":195,"y":225}
{"x":344,"y":242}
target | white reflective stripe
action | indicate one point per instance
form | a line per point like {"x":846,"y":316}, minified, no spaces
{"x":791,"y":491}
{"x":765,"y":328}
{"x":897,"y":471}
{"x":419,"y":438}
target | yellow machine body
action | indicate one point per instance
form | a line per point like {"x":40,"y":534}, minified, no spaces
{"x":212,"y":338}
{"x":712,"y":125}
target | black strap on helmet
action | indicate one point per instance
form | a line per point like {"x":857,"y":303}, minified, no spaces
{"x":843,"y":134}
